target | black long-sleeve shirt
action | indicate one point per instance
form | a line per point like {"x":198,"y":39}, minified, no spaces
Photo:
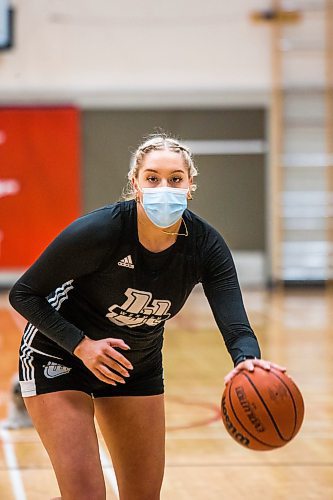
{"x":96,"y":279}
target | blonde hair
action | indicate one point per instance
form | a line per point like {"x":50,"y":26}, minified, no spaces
{"x":158,"y":142}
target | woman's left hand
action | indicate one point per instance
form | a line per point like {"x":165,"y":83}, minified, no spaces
{"x":249,"y":365}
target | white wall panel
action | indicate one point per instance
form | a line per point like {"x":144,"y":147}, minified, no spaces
{"x":97,"y":50}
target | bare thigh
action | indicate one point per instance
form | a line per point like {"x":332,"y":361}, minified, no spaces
{"x":134,"y":430}
{"x":65,"y":424}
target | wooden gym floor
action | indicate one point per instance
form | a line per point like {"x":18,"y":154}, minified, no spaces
{"x":294,"y":328}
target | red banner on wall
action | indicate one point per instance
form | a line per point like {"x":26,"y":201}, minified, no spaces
{"x":39,"y":180}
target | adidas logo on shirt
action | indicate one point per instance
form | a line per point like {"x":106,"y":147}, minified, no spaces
{"x":126,"y":262}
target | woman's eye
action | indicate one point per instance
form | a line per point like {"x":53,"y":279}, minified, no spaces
{"x":152,"y":178}
{"x":175,"y":180}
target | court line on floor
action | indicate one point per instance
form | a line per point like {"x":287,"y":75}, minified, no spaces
{"x":12,"y":466}
{"x":215,"y":413}
{"x":109,"y":471}
{"x":186,"y":436}
{"x":107,"y":468}
{"x":220,"y":437}
{"x":254,"y":464}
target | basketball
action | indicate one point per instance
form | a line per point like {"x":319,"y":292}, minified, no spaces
{"x":262,"y":410}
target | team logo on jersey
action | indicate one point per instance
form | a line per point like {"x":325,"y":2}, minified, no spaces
{"x":126,"y":262}
{"x":52,"y":370}
{"x":139,"y":309}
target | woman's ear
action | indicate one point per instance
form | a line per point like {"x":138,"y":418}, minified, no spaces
{"x":135,"y":185}
{"x":136,"y":189}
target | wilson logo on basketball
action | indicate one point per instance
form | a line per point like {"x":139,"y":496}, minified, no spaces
{"x":267,"y":422}
{"x":247,"y":407}
{"x":231,"y":428}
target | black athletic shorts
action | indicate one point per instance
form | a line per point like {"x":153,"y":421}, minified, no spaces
{"x":46,"y":368}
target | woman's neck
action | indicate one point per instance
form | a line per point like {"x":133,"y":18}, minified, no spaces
{"x":153,"y":238}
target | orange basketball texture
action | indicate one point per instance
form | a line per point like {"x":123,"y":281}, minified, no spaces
{"x":262,"y":410}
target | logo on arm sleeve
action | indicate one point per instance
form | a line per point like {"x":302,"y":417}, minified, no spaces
{"x":139,"y":309}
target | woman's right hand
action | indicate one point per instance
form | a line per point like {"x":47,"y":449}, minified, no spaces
{"x":106,"y":363}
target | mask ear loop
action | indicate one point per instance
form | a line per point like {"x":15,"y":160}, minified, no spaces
{"x":178,"y":234}
{"x":189,"y":197}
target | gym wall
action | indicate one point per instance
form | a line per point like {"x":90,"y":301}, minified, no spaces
{"x":231,"y":188}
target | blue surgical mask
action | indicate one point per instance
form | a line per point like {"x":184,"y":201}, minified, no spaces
{"x":164,"y":206}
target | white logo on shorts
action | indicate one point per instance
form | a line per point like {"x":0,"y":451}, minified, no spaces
{"x":52,"y":370}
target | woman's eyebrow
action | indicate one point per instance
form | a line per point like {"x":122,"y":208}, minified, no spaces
{"x":157,"y":172}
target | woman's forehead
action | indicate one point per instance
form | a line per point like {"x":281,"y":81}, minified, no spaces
{"x":163,"y":159}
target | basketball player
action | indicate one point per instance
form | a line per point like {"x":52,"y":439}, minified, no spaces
{"x":97,"y":300}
